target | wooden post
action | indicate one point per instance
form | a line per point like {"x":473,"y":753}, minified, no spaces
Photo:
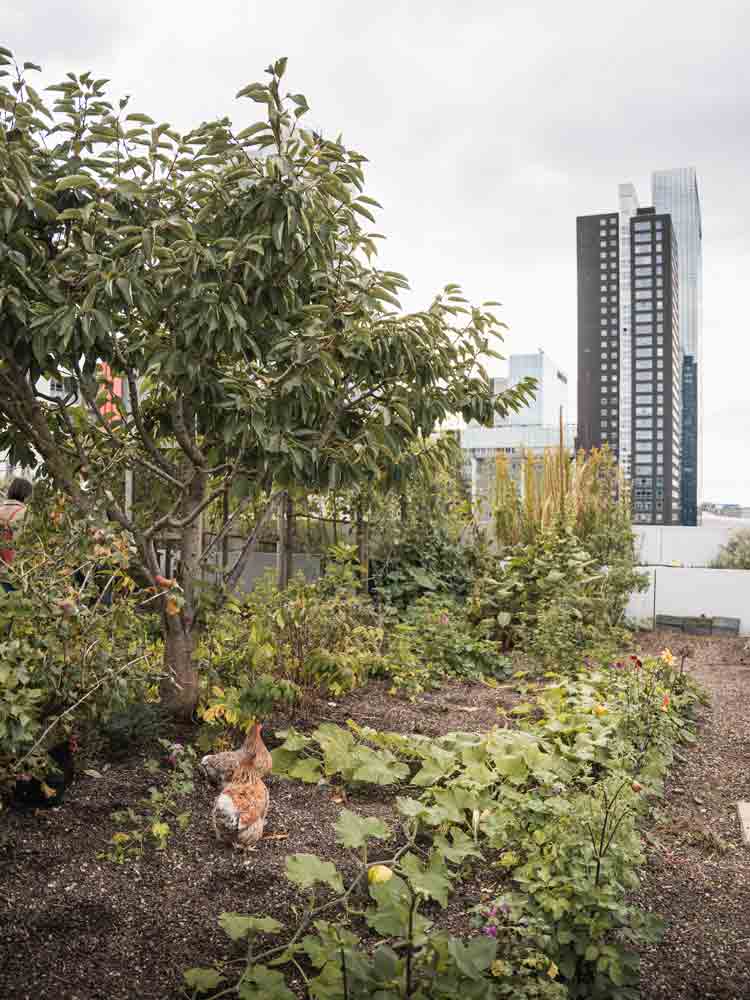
{"x":225,"y":539}
{"x":363,"y":547}
{"x":284,"y":543}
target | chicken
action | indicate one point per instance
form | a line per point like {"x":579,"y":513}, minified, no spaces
{"x":239,"y":813}
{"x":219,"y":767}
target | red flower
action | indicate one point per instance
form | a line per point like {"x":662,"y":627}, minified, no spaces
{"x":636,"y":662}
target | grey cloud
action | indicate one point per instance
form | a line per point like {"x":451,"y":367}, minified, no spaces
{"x":489,"y":128}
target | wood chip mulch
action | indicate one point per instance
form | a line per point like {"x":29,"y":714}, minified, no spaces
{"x":697,"y":875}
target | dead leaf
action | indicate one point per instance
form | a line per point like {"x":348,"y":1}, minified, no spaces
{"x":91,"y":772}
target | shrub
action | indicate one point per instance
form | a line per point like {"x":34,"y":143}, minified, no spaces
{"x":276,"y":648}
{"x":551,"y":597}
{"x":736,"y":553}
{"x":67,"y":659}
{"x":434,"y":640}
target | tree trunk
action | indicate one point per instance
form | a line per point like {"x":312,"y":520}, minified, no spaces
{"x":179,"y":686}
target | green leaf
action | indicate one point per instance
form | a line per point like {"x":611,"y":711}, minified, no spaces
{"x":143,"y":119}
{"x":428,"y":882}
{"x":474,"y":958}
{"x":75,"y":181}
{"x":354,"y":831}
{"x":305,"y":870}
{"x":239,"y":925}
{"x":202,"y":980}
{"x":390,"y":916}
{"x":262,"y":983}
{"x":378,"y":768}
{"x":308,"y":769}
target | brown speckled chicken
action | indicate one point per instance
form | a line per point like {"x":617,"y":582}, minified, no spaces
{"x":239,"y":813}
{"x":219,"y":767}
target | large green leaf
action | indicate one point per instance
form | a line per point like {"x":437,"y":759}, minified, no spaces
{"x":306,"y":870}
{"x":262,"y":983}
{"x":354,"y":831}
{"x":202,"y":980}
{"x":75,"y":181}
{"x":239,"y":925}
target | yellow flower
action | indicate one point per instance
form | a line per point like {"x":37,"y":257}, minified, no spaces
{"x":600,"y":710}
{"x":379,"y":873}
{"x":213,"y":712}
{"x":668,"y":657}
{"x":499,"y":968}
{"x":552,"y":971}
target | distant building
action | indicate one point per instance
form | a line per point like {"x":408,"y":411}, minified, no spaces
{"x":535,"y":428}
{"x":676,"y":192}
{"x":633,"y":368}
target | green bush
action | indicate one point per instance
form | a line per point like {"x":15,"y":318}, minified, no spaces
{"x":432,"y":641}
{"x":68,"y":660}
{"x":553,"y":599}
{"x":276,"y":648}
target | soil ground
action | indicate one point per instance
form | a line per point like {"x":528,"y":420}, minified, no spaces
{"x":698,"y":870}
{"x":76,"y":928}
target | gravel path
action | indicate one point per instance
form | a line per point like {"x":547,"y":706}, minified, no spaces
{"x":698,"y":870}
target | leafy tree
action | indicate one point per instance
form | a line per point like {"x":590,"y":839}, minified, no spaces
{"x":226,"y":276}
{"x":736,"y":553}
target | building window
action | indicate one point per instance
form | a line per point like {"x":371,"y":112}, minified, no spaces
{"x":644,"y":352}
{"x":643,"y":364}
{"x":644,"y":283}
{"x":641,"y":226}
{"x":644,"y":306}
{"x":643,"y":293}
{"x":643,"y":376}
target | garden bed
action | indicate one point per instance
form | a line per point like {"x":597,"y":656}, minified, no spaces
{"x":78,"y":928}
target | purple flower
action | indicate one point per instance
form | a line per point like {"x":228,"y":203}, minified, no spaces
{"x":505,"y":908}
{"x":490,"y":930}
{"x":492,"y":912}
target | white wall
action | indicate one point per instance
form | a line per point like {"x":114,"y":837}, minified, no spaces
{"x":662,"y":546}
{"x":692,"y":592}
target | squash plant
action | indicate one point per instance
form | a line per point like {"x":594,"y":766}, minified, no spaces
{"x":549,"y":810}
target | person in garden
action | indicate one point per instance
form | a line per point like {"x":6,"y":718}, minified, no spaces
{"x":12,"y":513}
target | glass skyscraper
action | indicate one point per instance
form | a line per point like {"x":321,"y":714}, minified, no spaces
{"x":676,"y":192}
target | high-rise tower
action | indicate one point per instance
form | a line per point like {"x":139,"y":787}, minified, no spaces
{"x":676,"y":192}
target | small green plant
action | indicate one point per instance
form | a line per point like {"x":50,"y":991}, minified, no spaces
{"x":137,"y":724}
{"x":157,"y":814}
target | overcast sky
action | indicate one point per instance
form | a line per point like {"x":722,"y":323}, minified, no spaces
{"x":489,"y":127}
